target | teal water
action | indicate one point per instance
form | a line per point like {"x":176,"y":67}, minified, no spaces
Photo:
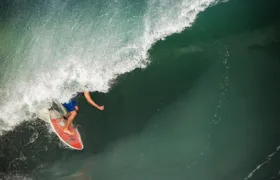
{"x":206,"y":107}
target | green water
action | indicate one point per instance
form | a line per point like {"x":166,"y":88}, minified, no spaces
{"x":205,"y":108}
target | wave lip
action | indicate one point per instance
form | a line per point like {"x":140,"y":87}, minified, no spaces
{"x":70,"y":48}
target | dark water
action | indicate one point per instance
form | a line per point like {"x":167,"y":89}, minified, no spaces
{"x":207,"y":107}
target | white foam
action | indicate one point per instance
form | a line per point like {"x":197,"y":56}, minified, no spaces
{"x":268,"y":158}
{"x":74,"y":49}
{"x":16,"y":177}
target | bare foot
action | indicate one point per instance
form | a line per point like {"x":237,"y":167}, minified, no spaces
{"x":68,"y":132}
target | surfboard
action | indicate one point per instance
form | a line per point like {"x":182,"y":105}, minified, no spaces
{"x":57,"y":123}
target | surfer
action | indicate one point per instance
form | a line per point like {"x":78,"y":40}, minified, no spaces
{"x":72,"y":108}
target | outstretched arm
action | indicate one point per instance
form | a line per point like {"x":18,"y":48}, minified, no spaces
{"x":90,"y":101}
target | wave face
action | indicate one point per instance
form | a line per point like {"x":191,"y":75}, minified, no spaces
{"x":52,"y":49}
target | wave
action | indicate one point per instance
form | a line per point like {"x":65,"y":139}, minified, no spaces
{"x":64,"y":47}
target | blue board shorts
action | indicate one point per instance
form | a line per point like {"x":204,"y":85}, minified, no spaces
{"x":70,"y":106}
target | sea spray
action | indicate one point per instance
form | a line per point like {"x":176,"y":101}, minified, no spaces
{"x":65,"y":47}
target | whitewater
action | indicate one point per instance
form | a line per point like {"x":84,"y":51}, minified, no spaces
{"x":61,"y":47}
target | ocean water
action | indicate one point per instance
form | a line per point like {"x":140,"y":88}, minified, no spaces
{"x":190,"y":88}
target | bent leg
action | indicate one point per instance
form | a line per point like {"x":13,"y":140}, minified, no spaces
{"x":70,"y":119}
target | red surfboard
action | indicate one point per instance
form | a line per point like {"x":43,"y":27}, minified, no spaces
{"x":73,"y":141}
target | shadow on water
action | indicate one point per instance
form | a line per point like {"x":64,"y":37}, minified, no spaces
{"x":138,"y":95}
{"x":176,"y":64}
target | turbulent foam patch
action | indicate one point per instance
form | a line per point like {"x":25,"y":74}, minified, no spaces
{"x":262,"y":164}
{"x":15,"y":177}
{"x":68,"y":47}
